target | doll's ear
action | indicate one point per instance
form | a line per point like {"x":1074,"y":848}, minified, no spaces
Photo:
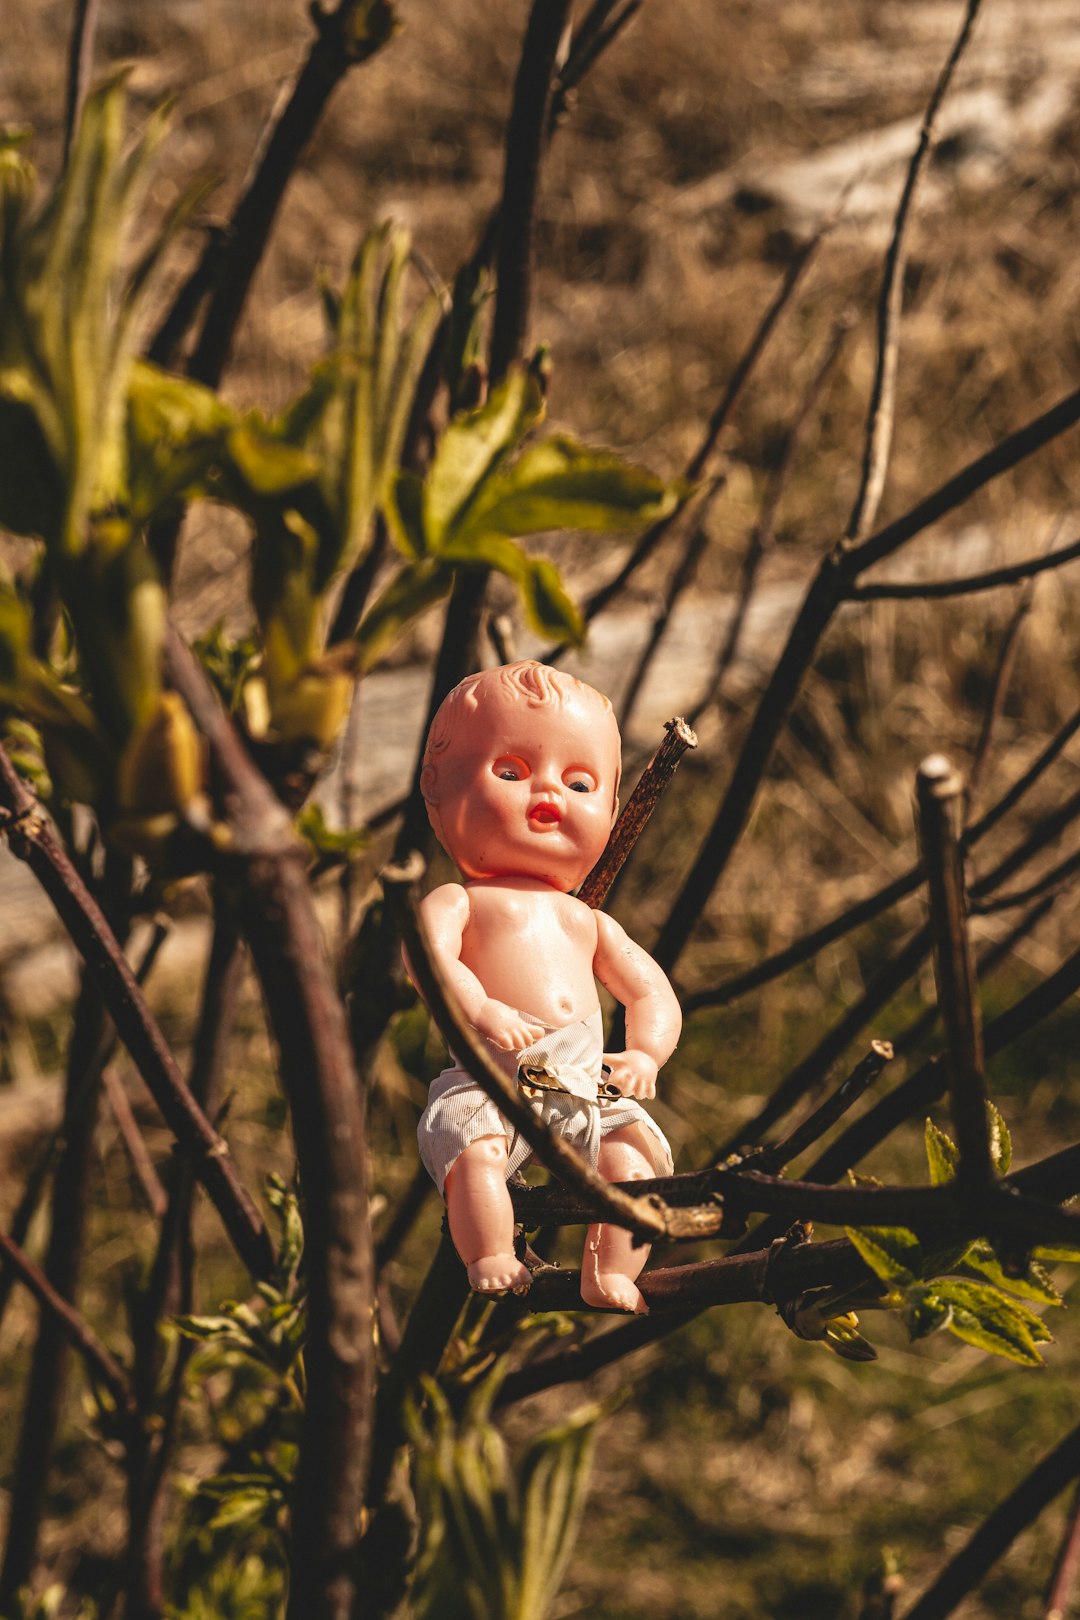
{"x":615,"y":810}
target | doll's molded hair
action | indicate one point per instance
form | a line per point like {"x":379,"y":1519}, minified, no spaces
{"x":537,"y":683}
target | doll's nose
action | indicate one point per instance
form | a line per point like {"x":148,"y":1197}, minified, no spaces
{"x":547,"y":780}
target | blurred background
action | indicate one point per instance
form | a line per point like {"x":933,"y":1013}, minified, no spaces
{"x":748,"y":1474}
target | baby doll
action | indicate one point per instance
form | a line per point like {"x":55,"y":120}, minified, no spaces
{"x":521,"y":777}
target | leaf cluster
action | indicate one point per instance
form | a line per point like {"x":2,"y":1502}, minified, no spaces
{"x":496,"y":1539}
{"x":979,"y":1302}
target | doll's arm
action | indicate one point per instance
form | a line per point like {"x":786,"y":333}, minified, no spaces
{"x":446,"y":916}
{"x":653,"y":1014}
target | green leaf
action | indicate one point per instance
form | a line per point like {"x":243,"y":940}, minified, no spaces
{"x":1035,"y":1283}
{"x":892,"y":1252}
{"x":1000,"y":1140}
{"x":347,"y":842}
{"x":405,"y":514}
{"x":554,"y":1479}
{"x":209,"y":1327}
{"x":562,"y":484}
{"x":247,"y":1507}
{"x":924,"y":1311}
{"x":471,"y":449}
{"x":942,"y":1154}
{"x":550,"y":611}
{"x":1055,"y":1254}
{"x":984,"y":1317}
{"x":412,"y":590}
{"x":267,"y":464}
{"x":548,"y":607}
{"x":175,"y":434}
{"x":472,"y":288}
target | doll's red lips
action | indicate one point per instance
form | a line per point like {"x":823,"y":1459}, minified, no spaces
{"x":545,"y":815}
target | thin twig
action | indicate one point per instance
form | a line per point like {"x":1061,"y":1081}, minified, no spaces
{"x":811,"y":1070}
{"x":335,"y":49}
{"x":1066,"y":1567}
{"x":31,"y":838}
{"x":763,"y":533}
{"x":143,"y":1165}
{"x":826,"y":591}
{"x":100,"y":1364}
{"x":681,"y":576}
{"x":865,"y":1072}
{"x":404,"y":1217}
{"x":637,"y":812}
{"x":596,"y":31}
{"x":999,"y":1530}
{"x":36,"y":1181}
{"x":170,"y":1289}
{"x":999,"y":688}
{"x":940,"y":795}
{"x":969,"y":585}
{"x":695,"y":467}
{"x":929,"y":1082}
{"x":1058,"y":877}
{"x":525,"y":139}
{"x":886,"y":983}
{"x":864,"y":911}
{"x":879,"y":427}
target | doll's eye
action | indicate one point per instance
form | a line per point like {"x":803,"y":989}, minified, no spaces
{"x":579,"y":787}
{"x":580,"y":781}
{"x":510,"y":770}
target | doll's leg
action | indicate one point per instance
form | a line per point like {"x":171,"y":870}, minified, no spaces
{"x":611,"y":1263}
{"x":482,"y":1217}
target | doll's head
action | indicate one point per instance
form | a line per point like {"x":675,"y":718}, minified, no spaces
{"x":521,"y":775}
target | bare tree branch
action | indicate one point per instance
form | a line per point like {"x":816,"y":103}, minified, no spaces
{"x":637,"y":812}
{"x":100,"y":1364}
{"x":764,"y":531}
{"x":879,"y":427}
{"x":999,"y":688}
{"x":999,"y":1530}
{"x":31,"y":838}
{"x":134,"y":1143}
{"x":695,"y":467}
{"x":36,"y":1181}
{"x":335,"y":50}
{"x":827,"y":589}
{"x":936,"y":589}
{"x":940,"y":793}
{"x":864,"y":911}
{"x":525,"y":140}
{"x":1066,"y":1567}
{"x":276,"y":914}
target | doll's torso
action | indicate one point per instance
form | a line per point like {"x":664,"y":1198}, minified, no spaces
{"x":532,"y":947}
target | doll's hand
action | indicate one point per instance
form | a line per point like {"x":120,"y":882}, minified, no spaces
{"x":506,"y":1028}
{"x":633,"y":1072}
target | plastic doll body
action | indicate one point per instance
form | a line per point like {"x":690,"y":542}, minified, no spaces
{"x":521,"y":781}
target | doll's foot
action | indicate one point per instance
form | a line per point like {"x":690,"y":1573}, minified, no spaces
{"x":613,"y":1292}
{"x":499,"y":1274}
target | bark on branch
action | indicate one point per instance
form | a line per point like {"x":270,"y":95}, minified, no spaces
{"x":32,"y":839}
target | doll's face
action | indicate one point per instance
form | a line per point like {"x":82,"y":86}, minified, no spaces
{"x":528,"y":791}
